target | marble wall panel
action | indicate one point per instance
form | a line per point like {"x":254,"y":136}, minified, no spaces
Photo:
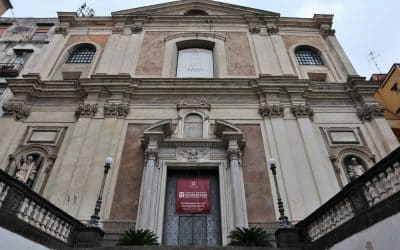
{"x":127,"y":189}
{"x":260,"y":205}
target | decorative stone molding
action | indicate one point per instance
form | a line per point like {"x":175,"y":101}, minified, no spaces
{"x":234,"y":154}
{"x":61,"y":30}
{"x":302,"y":111}
{"x":17,"y":110}
{"x":118,"y":30}
{"x":328,"y":32}
{"x":193,"y":154}
{"x":254,"y":29}
{"x":271,"y":111}
{"x":151,"y":153}
{"x":272,"y":30}
{"x":136,"y":29}
{"x":334,"y":217}
{"x":86,"y":110}
{"x":116,"y":110}
{"x":368,"y":112}
{"x":202,"y":104}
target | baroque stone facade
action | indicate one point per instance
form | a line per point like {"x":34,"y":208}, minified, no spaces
{"x":280,"y":88}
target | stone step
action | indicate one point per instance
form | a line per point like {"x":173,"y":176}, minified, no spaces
{"x":184,"y":248}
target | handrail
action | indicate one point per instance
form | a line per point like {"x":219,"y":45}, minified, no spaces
{"x":376,"y":185}
{"x":24,"y":210}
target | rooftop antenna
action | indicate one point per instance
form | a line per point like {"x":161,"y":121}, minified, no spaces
{"x":372,"y":57}
{"x":85,"y":11}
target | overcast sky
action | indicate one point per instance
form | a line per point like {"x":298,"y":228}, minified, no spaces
{"x":361,"y":25}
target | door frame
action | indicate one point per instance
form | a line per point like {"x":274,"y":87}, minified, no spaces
{"x":225,"y":194}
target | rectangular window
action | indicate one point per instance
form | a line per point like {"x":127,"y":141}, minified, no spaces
{"x":21,"y":56}
{"x":40,"y":34}
{"x":195,"y":62}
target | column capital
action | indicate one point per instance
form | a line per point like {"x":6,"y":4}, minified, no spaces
{"x":302,"y":110}
{"x":234,"y":153}
{"x":276,"y":110}
{"x":116,"y":110}
{"x":367,"y":112}
{"x":19,"y":111}
{"x":86,"y":110}
{"x":151,"y":153}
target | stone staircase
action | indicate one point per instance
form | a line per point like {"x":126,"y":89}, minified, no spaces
{"x":113,"y":229}
{"x":183,"y":248}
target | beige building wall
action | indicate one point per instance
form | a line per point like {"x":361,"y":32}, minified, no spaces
{"x":309,"y":127}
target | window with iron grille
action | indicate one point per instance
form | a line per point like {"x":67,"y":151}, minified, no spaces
{"x":307,"y":56}
{"x":39,"y":36}
{"x":82,"y":54}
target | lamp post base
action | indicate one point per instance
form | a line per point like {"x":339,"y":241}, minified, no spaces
{"x":89,"y":236}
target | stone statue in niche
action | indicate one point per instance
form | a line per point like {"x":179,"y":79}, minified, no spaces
{"x":355,"y":169}
{"x":26,"y":169}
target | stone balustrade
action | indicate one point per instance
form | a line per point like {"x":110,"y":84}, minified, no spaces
{"x":379,"y":185}
{"x":25,"y":212}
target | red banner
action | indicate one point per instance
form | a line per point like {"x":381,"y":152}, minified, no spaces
{"x":192,"y":196}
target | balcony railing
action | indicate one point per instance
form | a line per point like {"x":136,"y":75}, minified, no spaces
{"x":26,"y":213}
{"x":372,"y":197}
{"x":10,"y":69}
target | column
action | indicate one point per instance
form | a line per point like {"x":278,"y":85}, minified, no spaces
{"x":239,"y":199}
{"x":317,"y":155}
{"x":144,"y":214}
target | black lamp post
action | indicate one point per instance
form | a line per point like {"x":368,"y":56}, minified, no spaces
{"x":95,"y":218}
{"x":283,"y":220}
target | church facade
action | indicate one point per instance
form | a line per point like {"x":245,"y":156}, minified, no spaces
{"x":191,"y":98}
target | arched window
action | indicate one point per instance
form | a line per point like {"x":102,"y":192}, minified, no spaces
{"x":195,"y":59}
{"x":196,"y":12}
{"x":308,"y":56}
{"x":193,"y":127}
{"x":83,"y":53}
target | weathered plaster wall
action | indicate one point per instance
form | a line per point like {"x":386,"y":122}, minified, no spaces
{"x":151,"y":54}
{"x":127,"y":189}
{"x":260,"y":205}
{"x":238,"y":54}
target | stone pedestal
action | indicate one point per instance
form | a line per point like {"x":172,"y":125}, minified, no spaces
{"x":288,"y":238}
{"x":89,"y":237}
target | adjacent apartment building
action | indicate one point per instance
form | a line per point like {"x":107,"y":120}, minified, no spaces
{"x":190,"y":98}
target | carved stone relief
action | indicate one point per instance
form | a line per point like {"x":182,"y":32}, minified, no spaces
{"x":368,"y":112}
{"x":86,"y":110}
{"x":254,"y":29}
{"x":271,"y":111}
{"x":136,"y":29}
{"x":61,"y":30}
{"x":116,"y":110}
{"x":193,"y":154}
{"x":302,"y":111}
{"x":17,"y":110}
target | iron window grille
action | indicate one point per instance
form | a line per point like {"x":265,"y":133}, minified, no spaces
{"x":82,"y":55}
{"x":308,"y":57}
{"x":39,"y":36}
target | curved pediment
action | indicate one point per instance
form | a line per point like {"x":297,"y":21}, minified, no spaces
{"x":181,"y":7}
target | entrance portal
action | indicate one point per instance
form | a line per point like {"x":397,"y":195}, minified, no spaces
{"x":203,"y":228}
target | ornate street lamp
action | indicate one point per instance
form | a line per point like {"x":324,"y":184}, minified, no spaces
{"x":94,"y":219}
{"x":283,"y":220}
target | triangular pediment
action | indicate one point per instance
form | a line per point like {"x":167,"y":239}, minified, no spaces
{"x":178,"y":8}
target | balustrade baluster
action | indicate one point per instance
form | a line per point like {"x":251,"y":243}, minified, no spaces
{"x":29,"y":210}
{"x":3,"y":192}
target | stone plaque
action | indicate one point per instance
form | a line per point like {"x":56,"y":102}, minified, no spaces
{"x":195,"y":63}
{"x":44,"y":136}
{"x":343,"y":137}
